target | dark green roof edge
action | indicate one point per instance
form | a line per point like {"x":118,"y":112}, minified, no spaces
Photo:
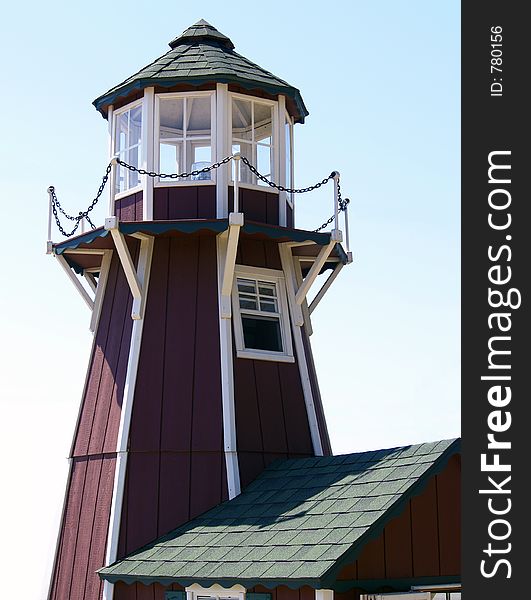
{"x":249,"y":84}
{"x":195,"y":225}
{"x":398,"y":585}
{"x":206,"y":582}
{"x":377,"y":528}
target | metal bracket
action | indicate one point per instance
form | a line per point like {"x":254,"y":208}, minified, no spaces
{"x":235,"y":224}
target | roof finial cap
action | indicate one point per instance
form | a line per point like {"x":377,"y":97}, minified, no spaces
{"x":200,"y":32}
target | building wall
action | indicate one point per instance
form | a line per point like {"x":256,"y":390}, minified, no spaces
{"x":84,"y":524}
{"x":176,"y":467}
{"x":271,"y":417}
{"x":423,"y":541}
{"x":199,"y":202}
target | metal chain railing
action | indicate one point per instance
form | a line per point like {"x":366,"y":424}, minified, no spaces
{"x":56,"y":206}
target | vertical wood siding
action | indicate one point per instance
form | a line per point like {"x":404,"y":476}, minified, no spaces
{"x":423,"y":541}
{"x":183,"y":202}
{"x":256,"y":205}
{"x":129,"y":208}
{"x":84,"y":524}
{"x":271,"y":420}
{"x":176,"y":457}
{"x":319,"y":410}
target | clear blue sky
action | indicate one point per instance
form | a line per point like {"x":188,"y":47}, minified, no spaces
{"x":381,"y":82}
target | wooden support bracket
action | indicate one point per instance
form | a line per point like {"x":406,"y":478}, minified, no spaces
{"x":235,"y":224}
{"x":322,"y":257}
{"x":75,"y":280}
{"x":111,"y":224}
{"x":325,"y":287}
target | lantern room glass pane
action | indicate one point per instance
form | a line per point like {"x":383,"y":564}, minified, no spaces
{"x":186,"y":123}
{"x":198,"y":116}
{"x":252,"y":136}
{"x":128,"y":147}
{"x":171,"y":118}
{"x":242,"y":120}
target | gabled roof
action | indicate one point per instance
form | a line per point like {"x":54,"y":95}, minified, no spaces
{"x":298,"y":523}
{"x":202,"y":54}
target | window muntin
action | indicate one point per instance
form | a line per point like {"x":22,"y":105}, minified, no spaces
{"x":185,"y":125}
{"x":252,"y":136}
{"x":128,"y":146}
{"x":261,"y":320}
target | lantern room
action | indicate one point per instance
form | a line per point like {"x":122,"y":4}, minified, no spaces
{"x":182,"y":115}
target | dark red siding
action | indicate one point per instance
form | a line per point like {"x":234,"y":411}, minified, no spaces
{"x":256,"y":205}
{"x":319,"y":410}
{"x":423,"y":541}
{"x":184,"y":202}
{"x":271,"y":419}
{"x":138,"y":591}
{"x":176,"y":458}
{"x":129,"y":208}
{"x":83,"y":533}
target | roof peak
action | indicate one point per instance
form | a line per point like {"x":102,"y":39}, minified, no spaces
{"x":202,"y":31}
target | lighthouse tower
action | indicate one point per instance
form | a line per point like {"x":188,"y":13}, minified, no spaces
{"x":201,"y":372}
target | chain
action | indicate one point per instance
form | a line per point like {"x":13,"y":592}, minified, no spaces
{"x":57,"y":208}
{"x":213,"y":166}
{"x":342,"y":205}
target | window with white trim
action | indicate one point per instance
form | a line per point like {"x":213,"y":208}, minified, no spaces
{"x":128,"y":145}
{"x":261,"y":319}
{"x":252,"y":136}
{"x":185,"y":140}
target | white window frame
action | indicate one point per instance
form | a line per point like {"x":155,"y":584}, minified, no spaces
{"x":215,"y":592}
{"x":116,"y":113}
{"x":274,"y":137}
{"x":213,"y":132}
{"x":269,"y":276}
{"x":290,"y":198}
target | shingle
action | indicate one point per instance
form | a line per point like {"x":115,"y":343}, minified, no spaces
{"x":294,"y":521}
{"x":208,"y":55}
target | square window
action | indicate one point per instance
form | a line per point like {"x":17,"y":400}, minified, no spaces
{"x":261,"y":319}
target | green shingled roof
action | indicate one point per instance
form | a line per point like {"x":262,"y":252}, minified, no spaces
{"x":202,"y":54}
{"x":297,"y":524}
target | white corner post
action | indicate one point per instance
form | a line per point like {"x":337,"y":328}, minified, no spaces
{"x":347,"y":235}
{"x":324,"y":594}
{"x":282,"y":175}
{"x":222,"y":150}
{"x":49,"y":247}
{"x":227,"y":370}
{"x":148,"y":151}
{"x":144,"y":269}
{"x":235,"y":224}
{"x":112,"y":159}
{"x":297,"y":320}
{"x":336,"y":200}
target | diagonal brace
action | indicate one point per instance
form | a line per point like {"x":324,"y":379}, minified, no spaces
{"x":111,"y":224}
{"x":316,"y":267}
{"x":235,"y":224}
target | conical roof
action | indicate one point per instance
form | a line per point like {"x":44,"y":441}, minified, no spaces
{"x":202,"y":54}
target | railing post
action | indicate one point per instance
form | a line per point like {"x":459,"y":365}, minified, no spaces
{"x":49,"y":238}
{"x":83,"y":225}
{"x":112,"y":186}
{"x":347,"y":236}
{"x":236,"y":204}
{"x":336,"y":199}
